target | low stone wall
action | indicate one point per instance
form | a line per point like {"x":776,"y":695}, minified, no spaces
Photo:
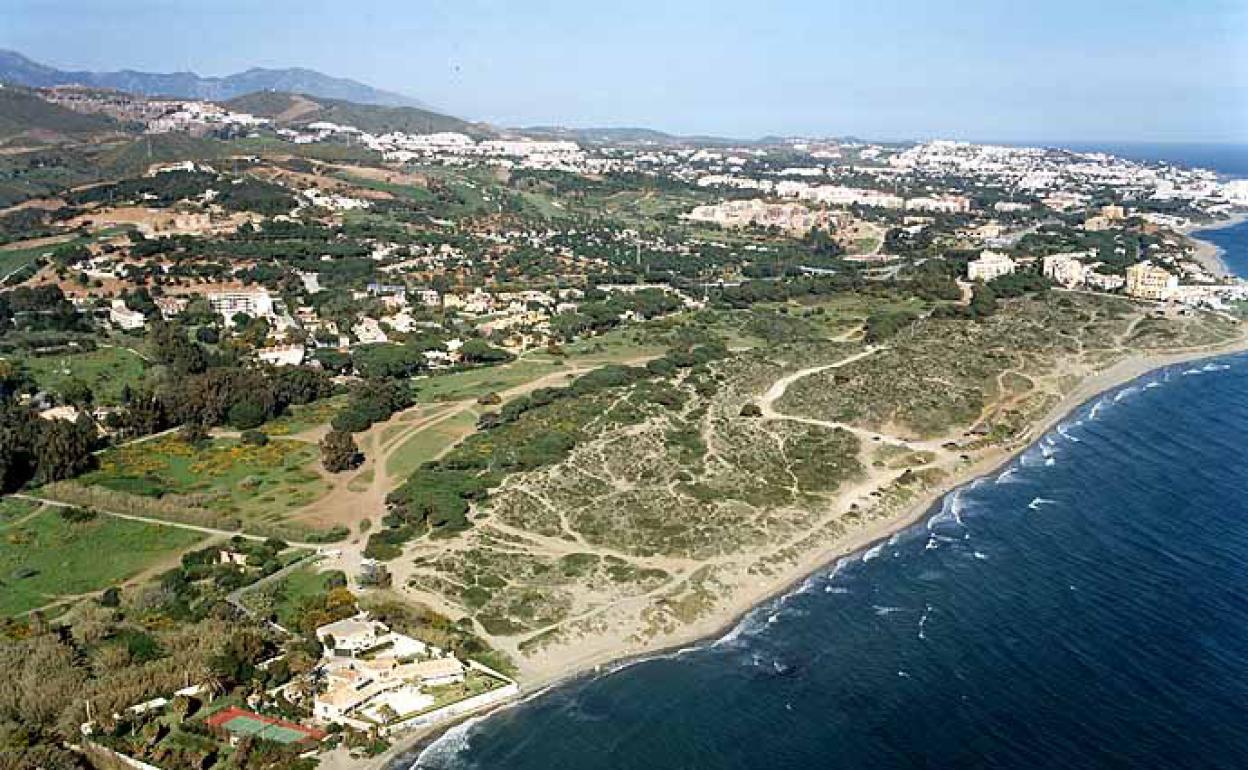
{"x":96,"y":750}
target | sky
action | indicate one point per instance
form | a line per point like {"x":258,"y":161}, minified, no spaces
{"x":1050,"y":71}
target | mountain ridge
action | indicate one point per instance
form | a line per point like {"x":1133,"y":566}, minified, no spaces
{"x":22,"y":70}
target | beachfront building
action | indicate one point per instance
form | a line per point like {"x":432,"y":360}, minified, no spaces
{"x":371,"y":677}
{"x":990,"y":265}
{"x":1145,"y":280}
{"x":1065,"y":269}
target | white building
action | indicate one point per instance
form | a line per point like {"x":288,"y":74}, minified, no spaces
{"x":1103,"y":281}
{"x":282,"y":355}
{"x":942,"y":204}
{"x":125,"y":318}
{"x":354,"y":635}
{"x":1065,"y":269}
{"x":990,"y":265}
{"x":256,"y":303}
{"x":369,"y":332}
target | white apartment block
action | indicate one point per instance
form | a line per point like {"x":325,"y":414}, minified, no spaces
{"x":256,"y":303}
{"x":1145,"y":280}
{"x":990,"y":265}
{"x":1066,"y":269}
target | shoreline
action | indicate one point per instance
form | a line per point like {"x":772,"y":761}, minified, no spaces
{"x":1208,"y":254}
{"x":698,"y":635}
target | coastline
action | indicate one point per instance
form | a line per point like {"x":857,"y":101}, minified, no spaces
{"x":595,"y":662}
{"x":1209,"y":254}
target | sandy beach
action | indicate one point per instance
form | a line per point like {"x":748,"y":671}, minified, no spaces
{"x":1209,"y":255}
{"x":594,"y":656}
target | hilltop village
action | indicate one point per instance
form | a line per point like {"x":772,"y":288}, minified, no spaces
{"x":384,"y":417}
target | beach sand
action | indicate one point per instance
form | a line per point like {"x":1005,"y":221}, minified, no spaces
{"x":1209,"y":255}
{"x":609,"y":652}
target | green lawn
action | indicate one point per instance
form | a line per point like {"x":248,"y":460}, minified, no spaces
{"x":428,"y":443}
{"x":12,"y":259}
{"x":12,"y":509}
{"x":472,"y":383}
{"x":304,"y":417}
{"x":258,"y":484}
{"x":410,"y":192}
{"x":406,"y":417}
{"x":286,"y":597}
{"x":46,"y":557}
{"x":105,"y":370}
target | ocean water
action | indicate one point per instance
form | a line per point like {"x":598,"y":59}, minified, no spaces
{"x":1233,"y":241}
{"x":1230,"y":160}
{"x":1086,"y":607}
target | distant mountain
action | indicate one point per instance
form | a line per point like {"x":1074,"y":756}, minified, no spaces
{"x":16,"y":68}
{"x":300,"y":109}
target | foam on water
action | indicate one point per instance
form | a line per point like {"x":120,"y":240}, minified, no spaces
{"x":445,"y":751}
{"x":1008,"y":476}
{"x":883,"y":610}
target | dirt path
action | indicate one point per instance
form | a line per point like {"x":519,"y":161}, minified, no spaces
{"x":361,"y":494}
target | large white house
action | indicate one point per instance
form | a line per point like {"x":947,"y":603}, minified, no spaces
{"x":354,"y":635}
{"x":990,"y":265}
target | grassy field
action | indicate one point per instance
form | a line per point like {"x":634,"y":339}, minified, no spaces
{"x":304,"y":417}
{"x":288,"y":595}
{"x":12,"y":509}
{"x":258,"y":484}
{"x":13,"y":259}
{"x":46,"y":557}
{"x":472,"y":383}
{"x":105,"y":370}
{"x":428,"y":443}
{"x":410,"y":192}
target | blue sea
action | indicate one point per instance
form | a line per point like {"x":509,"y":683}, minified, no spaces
{"x":1085,"y":607}
{"x":1233,"y":241}
{"x":1229,"y":160}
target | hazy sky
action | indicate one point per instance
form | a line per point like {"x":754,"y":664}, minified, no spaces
{"x":1167,"y":70}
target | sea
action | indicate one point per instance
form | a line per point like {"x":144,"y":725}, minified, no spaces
{"x":1233,"y":242}
{"x":1228,"y":160}
{"x":1084,"y":607}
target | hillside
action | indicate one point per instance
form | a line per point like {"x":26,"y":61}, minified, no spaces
{"x":16,"y":68}
{"x":300,"y":108}
{"x":24,"y":115}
